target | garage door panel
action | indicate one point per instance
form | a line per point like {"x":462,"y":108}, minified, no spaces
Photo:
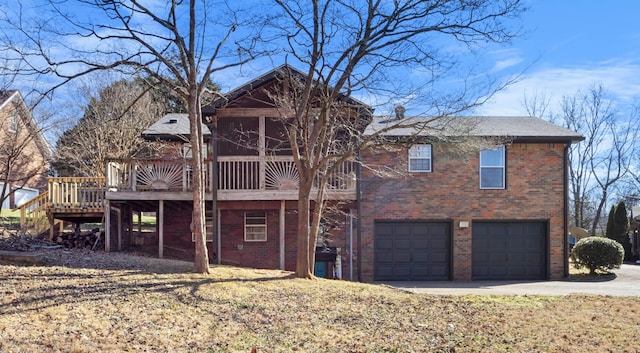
{"x":402,"y":243}
{"x":421,"y":243}
{"x":509,"y":250}
{"x":402,"y":257}
{"x":401,"y":271}
{"x":440,"y":271}
{"x":384,"y":272}
{"x":384,"y":244}
{"x":419,"y":251}
{"x":384,"y":257}
{"x":440,"y":258}
{"x":440,"y":243}
{"x":421,"y":258}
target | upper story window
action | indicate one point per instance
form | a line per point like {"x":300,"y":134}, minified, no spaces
{"x":492,"y":168}
{"x":187,"y":151}
{"x":13,"y":122}
{"x":255,"y":226}
{"x":420,"y":158}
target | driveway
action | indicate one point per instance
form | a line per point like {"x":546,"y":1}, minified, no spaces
{"x":625,"y":283}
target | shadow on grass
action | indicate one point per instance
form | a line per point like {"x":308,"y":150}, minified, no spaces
{"x":31,"y":288}
{"x":40,"y":291}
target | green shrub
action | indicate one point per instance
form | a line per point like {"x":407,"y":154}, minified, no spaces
{"x":597,"y":253}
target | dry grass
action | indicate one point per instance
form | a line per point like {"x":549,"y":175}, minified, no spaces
{"x":133,"y":304}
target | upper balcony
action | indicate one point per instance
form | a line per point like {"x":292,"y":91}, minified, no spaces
{"x":239,"y":178}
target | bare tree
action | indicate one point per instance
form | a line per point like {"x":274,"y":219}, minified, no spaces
{"x":601,"y":162}
{"x":354,"y":48}
{"x":178,"y":43}
{"x":114,"y":118}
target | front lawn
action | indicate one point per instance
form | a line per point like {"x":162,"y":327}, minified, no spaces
{"x":112,"y":304}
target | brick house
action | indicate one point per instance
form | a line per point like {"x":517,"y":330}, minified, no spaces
{"x":251,"y":205}
{"x":496,"y":210}
{"x":24,"y":152}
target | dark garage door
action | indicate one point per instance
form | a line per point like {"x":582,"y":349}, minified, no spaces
{"x":509,"y":251}
{"x":412,"y":251}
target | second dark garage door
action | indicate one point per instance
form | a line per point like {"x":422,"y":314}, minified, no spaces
{"x":509,"y":250}
{"x":412,"y":251}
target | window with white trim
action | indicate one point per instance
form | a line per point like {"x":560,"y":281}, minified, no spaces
{"x":13,"y":122}
{"x":187,"y":151}
{"x":255,"y":226}
{"x":420,"y":158}
{"x":492,"y":168}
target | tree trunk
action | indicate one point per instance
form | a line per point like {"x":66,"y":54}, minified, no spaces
{"x":201,"y":260}
{"x":304,"y":264}
{"x":596,"y":219}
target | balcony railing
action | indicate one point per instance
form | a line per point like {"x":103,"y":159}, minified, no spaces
{"x":76,"y":192}
{"x":235,"y":173}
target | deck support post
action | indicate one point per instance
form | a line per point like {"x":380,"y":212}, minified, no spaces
{"x":282,"y":233}
{"x":107,"y":226}
{"x":160,"y":225}
{"x":119,"y":229}
{"x":51,"y":225}
{"x":219,"y":241}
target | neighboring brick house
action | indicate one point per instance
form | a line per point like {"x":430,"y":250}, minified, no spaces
{"x":465,"y":213}
{"x":24,"y":152}
{"x":448,"y":213}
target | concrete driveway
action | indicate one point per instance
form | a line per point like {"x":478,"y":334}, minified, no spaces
{"x":625,"y":283}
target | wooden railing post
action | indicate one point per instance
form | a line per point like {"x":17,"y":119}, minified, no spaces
{"x":133,"y":166}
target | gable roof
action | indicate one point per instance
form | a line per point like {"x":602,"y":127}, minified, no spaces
{"x":518,"y":128}
{"x":6,"y":97}
{"x":264,"y":79}
{"x":172,"y":126}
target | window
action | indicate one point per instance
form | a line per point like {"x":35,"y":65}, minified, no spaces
{"x":492,"y":168}
{"x":187,"y":151}
{"x":255,"y":226}
{"x":208,"y":229}
{"x":13,"y":122}
{"x":420,"y":158}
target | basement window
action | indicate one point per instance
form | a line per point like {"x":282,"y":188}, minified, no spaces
{"x":255,"y":226}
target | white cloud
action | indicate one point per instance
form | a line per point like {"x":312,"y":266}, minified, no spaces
{"x":619,"y":78}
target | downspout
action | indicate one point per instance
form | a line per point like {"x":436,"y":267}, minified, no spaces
{"x":359,"y":219}
{"x":566,"y":209}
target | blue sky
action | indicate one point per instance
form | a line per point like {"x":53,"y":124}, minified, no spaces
{"x":572,"y":45}
{"x":568,"y":45}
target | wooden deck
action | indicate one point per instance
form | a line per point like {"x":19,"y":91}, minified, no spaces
{"x":239,"y":178}
{"x":76,"y":200}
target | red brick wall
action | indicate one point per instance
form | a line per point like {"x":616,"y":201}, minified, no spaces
{"x":29,"y":166}
{"x":535,"y":191}
{"x":236,"y":251}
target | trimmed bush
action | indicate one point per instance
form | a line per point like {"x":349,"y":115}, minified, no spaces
{"x":597,"y":253}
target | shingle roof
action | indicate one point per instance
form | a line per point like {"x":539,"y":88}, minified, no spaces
{"x":171,"y":126}
{"x":515,"y":127}
{"x":263,"y":79}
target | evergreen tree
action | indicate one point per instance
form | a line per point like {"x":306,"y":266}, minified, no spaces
{"x":618,"y":227}
{"x":621,"y":228}
{"x":609,"y":233}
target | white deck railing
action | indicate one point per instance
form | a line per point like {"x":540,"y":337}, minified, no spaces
{"x":239,"y":173}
